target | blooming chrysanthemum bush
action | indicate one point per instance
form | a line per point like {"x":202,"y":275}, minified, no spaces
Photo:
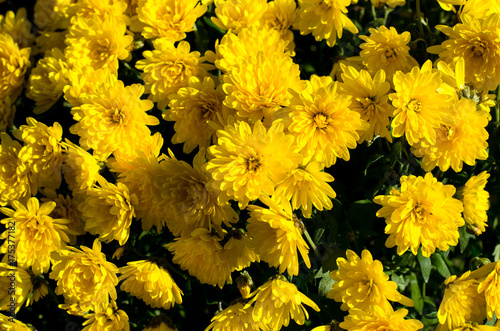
{"x":227,"y":165}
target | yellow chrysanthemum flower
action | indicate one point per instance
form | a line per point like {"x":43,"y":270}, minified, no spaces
{"x":201,"y":254}
{"x":48,"y":80}
{"x":84,"y":277}
{"x":361,"y":283}
{"x":377,"y":318}
{"x":489,"y":286}
{"x":277,"y":301}
{"x":461,"y":303}
{"x":322,"y":121}
{"x":387,"y":50}
{"x":176,"y":65}
{"x":100,"y":9}
{"x":15,"y":61}
{"x":423,"y":213}
{"x":42,"y":152}
{"x":87,"y":82}
{"x":18,"y":27}
{"x":476,"y":41}
{"x":110,"y":319}
{"x":249,"y":160}
{"x":12,"y":324}
{"x":280,"y":15}
{"x":236,"y":317}
{"x":50,"y":15}
{"x":480,"y":9}
{"x":16,"y":287}
{"x":475,"y":199}
{"x":325,"y":19}
{"x":168,"y":20}
{"x":16,"y":181}
{"x":37,"y":234}
{"x":195,"y":109}
{"x":463,"y":140}
{"x":370,"y":99}
{"x":108,"y":211}
{"x":277,"y":236}
{"x":160,"y":323}
{"x":7,"y":114}
{"x":471,"y":326}
{"x":236,"y":15}
{"x":420,"y":108}
{"x":239,"y":250}
{"x":97,"y":42}
{"x":307,"y":186}
{"x":115,"y":119}
{"x":151,"y":282}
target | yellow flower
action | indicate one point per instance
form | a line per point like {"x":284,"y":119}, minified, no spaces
{"x":84,"y":277}
{"x":277,"y":301}
{"x":422,"y":213}
{"x":476,"y":41}
{"x":236,"y":317}
{"x":16,"y":287}
{"x":480,"y":9}
{"x":489,"y":285}
{"x":280,"y":16}
{"x":277,"y":235}
{"x":7,"y":113}
{"x":471,"y":326}
{"x":235,"y":15}
{"x":42,"y":151}
{"x":322,"y":121}
{"x":100,"y":9}
{"x":249,"y":160}
{"x":361,"y":283}
{"x":376,"y":318}
{"x":11,"y":324}
{"x":37,"y":234}
{"x":448,"y":4}
{"x":475,"y":200}
{"x":109,"y":319}
{"x":48,"y":80}
{"x":115,"y":119}
{"x":420,"y":108}
{"x":108,"y":211}
{"x":150,"y":281}
{"x":52,"y":14}
{"x":168,"y":20}
{"x":18,"y":27}
{"x":461,"y":303}
{"x":463,"y":140}
{"x":16,"y":181}
{"x":201,"y":254}
{"x":258,"y":87}
{"x":195,"y":109}
{"x":160,"y":323}
{"x":325,"y":19}
{"x":15,"y":62}
{"x":97,"y":42}
{"x":239,"y":250}
{"x":87,"y":82}
{"x":370,"y":99}
{"x":176,"y":65}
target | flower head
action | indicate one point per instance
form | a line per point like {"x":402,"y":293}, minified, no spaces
{"x":15,"y":61}
{"x":234,"y":318}
{"x":475,"y":200}
{"x":18,"y":27}
{"x":236,"y":15}
{"x":110,"y":319}
{"x":160,"y":323}
{"x":361,"y":283}
{"x":80,"y":169}
{"x":280,"y":15}
{"x":377,"y":318}
{"x":423,"y":213}
{"x":86,"y":83}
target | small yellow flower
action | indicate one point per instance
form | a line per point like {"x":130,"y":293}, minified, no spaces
{"x":110,"y":319}
{"x":475,"y":199}
{"x":239,"y":250}
{"x":361,"y":283}
{"x":234,"y":318}
{"x":18,"y":27}
{"x":235,"y":15}
{"x":15,"y":61}
{"x":377,"y":318}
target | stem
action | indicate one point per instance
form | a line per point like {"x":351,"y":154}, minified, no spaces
{"x":311,"y":242}
{"x":419,"y":16}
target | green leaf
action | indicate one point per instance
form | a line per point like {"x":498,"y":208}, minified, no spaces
{"x":425,"y":265}
{"x":326,"y":282}
{"x":464,"y":238}
{"x":496,"y":253}
{"x":416,"y":295}
{"x":440,"y":264}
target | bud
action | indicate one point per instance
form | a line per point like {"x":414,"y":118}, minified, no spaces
{"x":160,"y":323}
{"x":244,"y":283}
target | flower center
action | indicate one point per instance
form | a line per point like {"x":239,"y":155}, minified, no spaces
{"x":117,"y":116}
{"x":253,"y":164}
{"x":368,"y":105}
{"x":419,"y":213}
{"x":414,"y":105}
{"x":446,"y":132}
{"x":208,"y":110}
{"x":478,"y":48}
{"x":391,"y":53}
{"x":320,"y":120}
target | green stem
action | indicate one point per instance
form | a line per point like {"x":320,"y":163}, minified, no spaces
{"x":311,"y":242}
{"x":419,"y":17}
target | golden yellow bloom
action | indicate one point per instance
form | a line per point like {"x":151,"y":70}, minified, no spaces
{"x":239,"y":250}
{"x":84,"y":277}
{"x":87,"y":82}
{"x":471,"y":326}
{"x":97,"y":42}
{"x":150,"y":281}
{"x":235,"y":15}
{"x":7,"y":113}
{"x":420,"y":108}
{"x":176,"y":64}
{"x":108,"y":211}
{"x":195,"y":109}
{"x":476,"y":41}
{"x":277,"y":301}
{"x":14,"y":63}
{"x":236,"y":317}
{"x":322,"y":121}
{"x":475,"y":199}
{"x":480,"y":9}
{"x":280,"y":16}
{"x":18,"y":27}
{"x":109,"y":319}
{"x":489,"y":285}
{"x":11,"y":324}
{"x":37,"y":234}
{"x":160,"y":323}
{"x":370,"y":99}
{"x":16,"y":287}
{"x":422,"y":213}
{"x":42,"y":151}
{"x":115,"y":119}
{"x":463,"y":140}
{"x":461,"y":303}
{"x":50,"y":15}
{"x":249,"y":160}
{"x":48,"y":80}
{"x":325,"y":19}
{"x":361,"y":283}
{"x":168,"y":20}
{"x":376,"y":318}
{"x":99,"y":8}
{"x":201,"y":254}
{"x":386,"y":49}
